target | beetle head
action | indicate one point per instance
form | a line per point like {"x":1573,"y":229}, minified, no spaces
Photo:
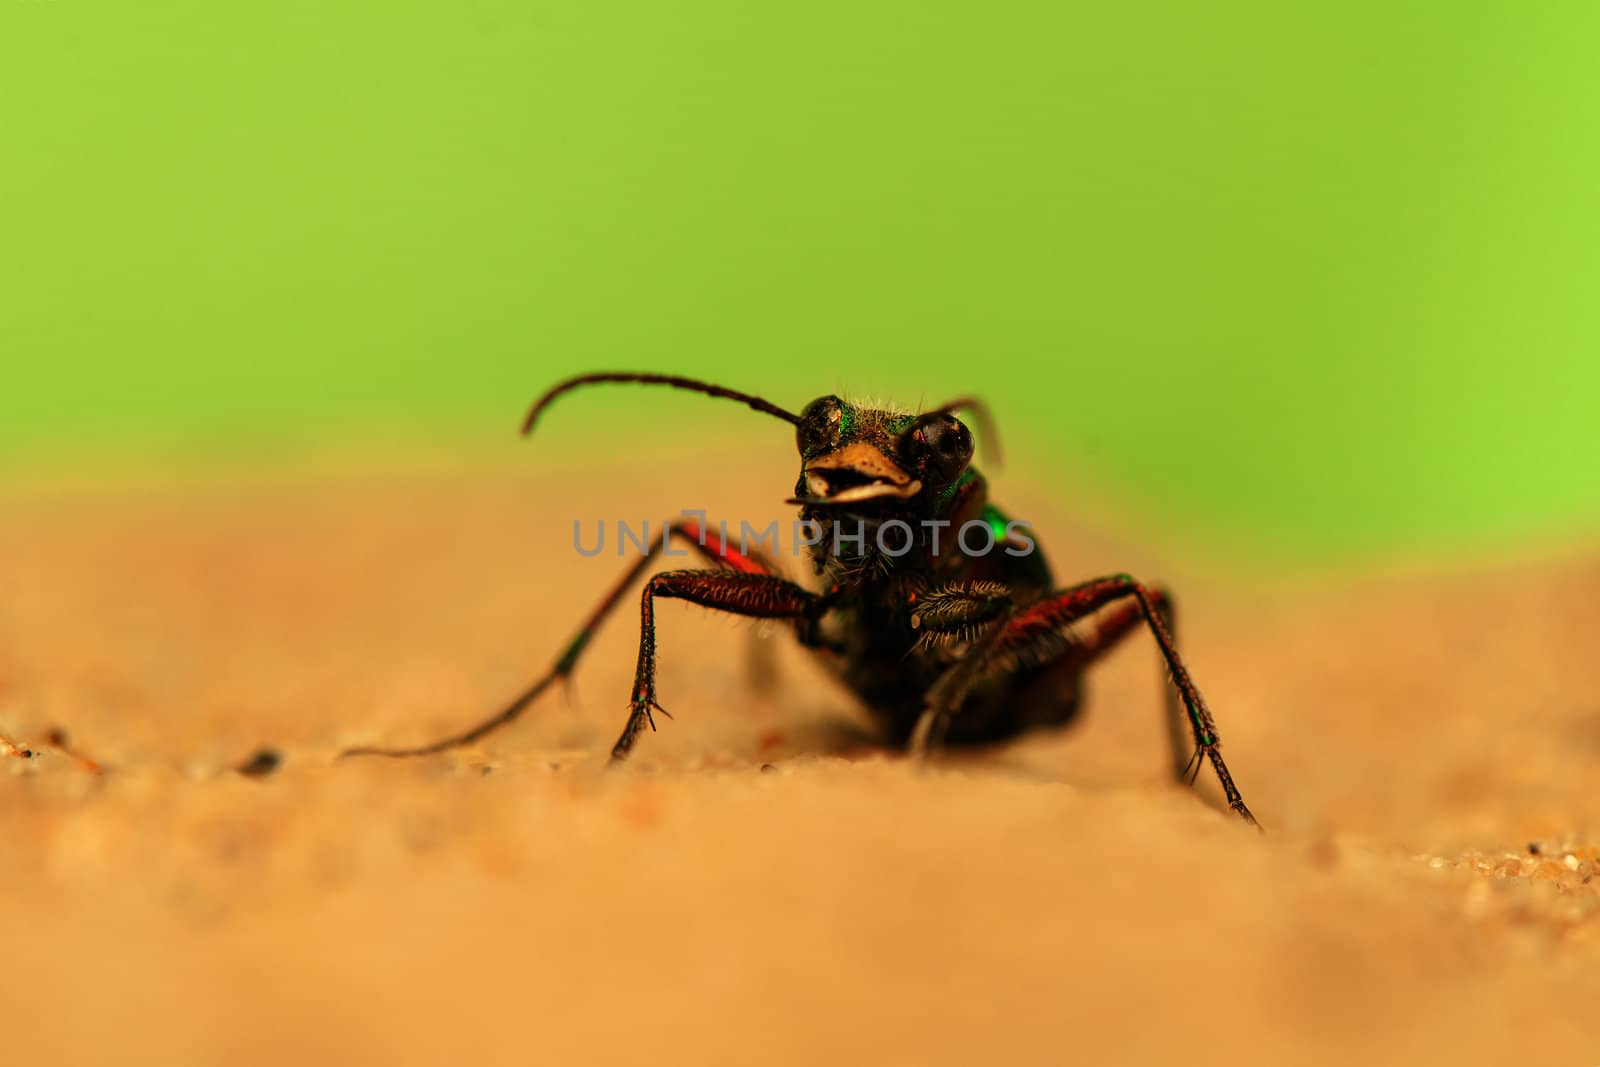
{"x":852,"y":456}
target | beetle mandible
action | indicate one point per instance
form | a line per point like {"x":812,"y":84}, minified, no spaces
{"x":942,"y":644}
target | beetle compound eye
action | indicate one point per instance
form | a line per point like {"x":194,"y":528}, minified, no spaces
{"x":819,"y":425}
{"x":946,"y":442}
{"x":956,"y":443}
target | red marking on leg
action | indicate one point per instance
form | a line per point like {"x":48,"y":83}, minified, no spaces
{"x":718,"y":547}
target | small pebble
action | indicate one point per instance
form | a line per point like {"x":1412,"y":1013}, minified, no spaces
{"x":263,"y":763}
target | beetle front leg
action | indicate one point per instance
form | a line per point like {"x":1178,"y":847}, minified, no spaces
{"x":758,"y":596}
{"x":968,"y":614}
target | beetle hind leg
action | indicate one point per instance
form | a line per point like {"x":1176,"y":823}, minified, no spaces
{"x":713,"y":547}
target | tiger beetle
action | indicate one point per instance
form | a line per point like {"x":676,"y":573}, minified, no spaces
{"x":943,"y":646}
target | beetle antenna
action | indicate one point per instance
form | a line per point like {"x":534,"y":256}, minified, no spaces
{"x":676,"y":382}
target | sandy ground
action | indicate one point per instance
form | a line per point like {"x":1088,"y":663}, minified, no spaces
{"x":759,"y":887}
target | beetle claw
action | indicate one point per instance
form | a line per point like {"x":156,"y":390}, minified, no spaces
{"x":647,"y":707}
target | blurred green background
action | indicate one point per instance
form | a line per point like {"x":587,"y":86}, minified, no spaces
{"x":1311,"y":281}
